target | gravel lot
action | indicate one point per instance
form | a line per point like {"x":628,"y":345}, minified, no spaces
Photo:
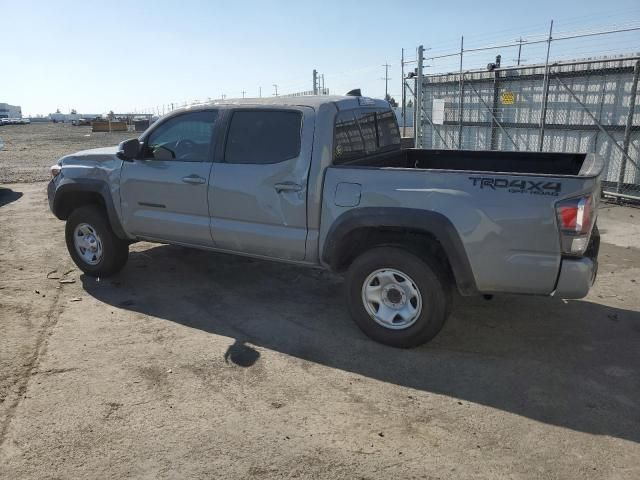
{"x":29,"y":150}
{"x":190,"y":364}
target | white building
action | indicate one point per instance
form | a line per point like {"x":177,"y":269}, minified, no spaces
{"x":10,"y":111}
{"x":69,"y":117}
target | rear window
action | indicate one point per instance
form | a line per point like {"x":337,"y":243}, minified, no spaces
{"x":263,"y":136}
{"x":362,"y":132}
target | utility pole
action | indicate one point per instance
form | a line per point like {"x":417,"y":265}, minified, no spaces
{"x":275,"y":86}
{"x":519,"y":49}
{"x":260,"y":92}
{"x":323,"y":90}
{"x":386,"y":80}
{"x":223,"y":96}
{"x":315,"y":82}
{"x":243,"y":92}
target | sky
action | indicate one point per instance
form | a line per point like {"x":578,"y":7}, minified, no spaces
{"x":139,"y":55}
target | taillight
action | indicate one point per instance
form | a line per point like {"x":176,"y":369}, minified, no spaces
{"x":576,"y":218}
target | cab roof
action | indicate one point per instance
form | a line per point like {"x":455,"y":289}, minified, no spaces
{"x":342,"y":102}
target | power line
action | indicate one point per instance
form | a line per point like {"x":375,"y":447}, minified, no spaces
{"x":540,"y":41}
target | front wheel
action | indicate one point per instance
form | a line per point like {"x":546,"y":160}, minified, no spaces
{"x":93,"y":246}
{"x":397,"y":298}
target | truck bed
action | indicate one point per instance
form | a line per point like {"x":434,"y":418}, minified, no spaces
{"x":534,"y":163}
{"x":501,"y":204}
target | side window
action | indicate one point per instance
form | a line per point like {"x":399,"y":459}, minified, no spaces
{"x":364,"y":131}
{"x":367,"y":121}
{"x":263,"y":136}
{"x":187,"y":138}
{"x":388,"y":132}
{"x":348,"y":139}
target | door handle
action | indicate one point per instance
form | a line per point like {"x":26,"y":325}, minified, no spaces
{"x":194,"y":180}
{"x":287,"y":187}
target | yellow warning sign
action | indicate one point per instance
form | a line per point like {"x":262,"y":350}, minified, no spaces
{"x":507,"y":98}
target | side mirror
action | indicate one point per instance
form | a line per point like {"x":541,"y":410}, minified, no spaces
{"x":129,"y":149}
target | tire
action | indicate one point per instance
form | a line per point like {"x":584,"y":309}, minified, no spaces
{"x":416,"y":281}
{"x":113,"y":251}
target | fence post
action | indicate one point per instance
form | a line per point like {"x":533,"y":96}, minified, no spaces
{"x":545,"y":92}
{"x":404,"y":99}
{"x":495,"y":120}
{"x":460,"y":99}
{"x":494,"y":125}
{"x":417,"y":125}
{"x":433,"y":127}
{"x":627,"y":129}
{"x":602,"y":95}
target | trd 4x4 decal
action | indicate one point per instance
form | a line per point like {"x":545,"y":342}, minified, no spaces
{"x":518,"y":186}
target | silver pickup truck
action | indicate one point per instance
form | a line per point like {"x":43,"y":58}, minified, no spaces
{"x":323,"y":182}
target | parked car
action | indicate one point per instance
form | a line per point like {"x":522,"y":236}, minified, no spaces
{"x":322,"y":182}
{"x":15,"y":121}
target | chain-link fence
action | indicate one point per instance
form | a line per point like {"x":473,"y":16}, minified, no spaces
{"x":589,"y":105}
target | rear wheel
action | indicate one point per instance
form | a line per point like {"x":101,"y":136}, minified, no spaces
{"x":93,"y":246}
{"x":398,"y":298}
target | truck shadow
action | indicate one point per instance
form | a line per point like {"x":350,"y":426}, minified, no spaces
{"x":7,"y":196}
{"x":571,"y":364}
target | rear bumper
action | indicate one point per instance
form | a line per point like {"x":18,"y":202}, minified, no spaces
{"x":577,"y":275}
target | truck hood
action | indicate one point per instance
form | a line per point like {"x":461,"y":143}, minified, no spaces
{"x":95,"y":153}
{"x":90,"y":157}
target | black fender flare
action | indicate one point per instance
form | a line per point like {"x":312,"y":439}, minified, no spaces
{"x":424,"y":221}
{"x":88,"y":185}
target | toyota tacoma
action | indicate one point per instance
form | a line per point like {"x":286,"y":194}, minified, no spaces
{"x":323,"y":182}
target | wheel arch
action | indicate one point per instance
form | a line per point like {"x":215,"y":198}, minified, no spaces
{"x":72,"y":195}
{"x":423,"y":232}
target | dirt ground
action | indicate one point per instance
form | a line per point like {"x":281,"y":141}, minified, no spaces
{"x":29,"y":150}
{"x":191,"y":364}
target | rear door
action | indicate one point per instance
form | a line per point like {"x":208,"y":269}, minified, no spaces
{"x":258,"y":188}
{"x":164,"y":193}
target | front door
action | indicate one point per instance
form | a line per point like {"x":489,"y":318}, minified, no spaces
{"x":164,"y":193}
{"x":258,"y":190}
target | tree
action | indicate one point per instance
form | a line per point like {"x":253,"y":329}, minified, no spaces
{"x":111,"y":115}
{"x":73,"y":111}
{"x":58,"y":110}
{"x":391,"y":100}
